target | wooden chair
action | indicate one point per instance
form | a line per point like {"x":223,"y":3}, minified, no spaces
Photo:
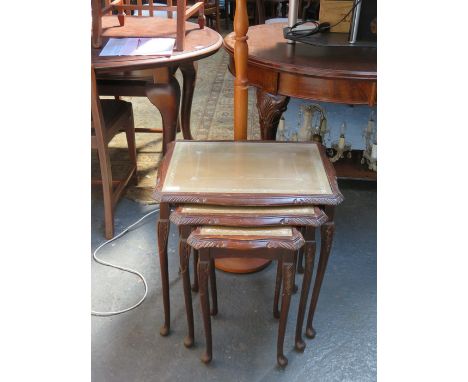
{"x":278,"y":243}
{"x":109,"y":117}
{"x":134,"y":84}
{"x":212,"y":14}
{"x":129,"y":7}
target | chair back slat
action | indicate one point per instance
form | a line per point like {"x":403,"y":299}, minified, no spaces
{"x":140,"y":10}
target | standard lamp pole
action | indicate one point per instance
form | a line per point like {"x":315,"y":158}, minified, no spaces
{"x":241,"y":52}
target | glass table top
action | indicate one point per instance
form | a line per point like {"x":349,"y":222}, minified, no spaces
{"x":236,"y":231}
{"x":243,"y":167}
{"x":222,"y":210}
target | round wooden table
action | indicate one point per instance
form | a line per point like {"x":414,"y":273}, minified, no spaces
{"x":280,"y":70}
{"x":153,"y":76}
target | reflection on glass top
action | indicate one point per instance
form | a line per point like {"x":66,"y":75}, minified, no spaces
{"x":207,"y":209}
{"x":241,"y":167}
{"x":236,"y":231}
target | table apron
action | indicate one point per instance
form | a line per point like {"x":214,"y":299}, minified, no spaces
{"x":356,"y":92}
{"x":337,"y":90}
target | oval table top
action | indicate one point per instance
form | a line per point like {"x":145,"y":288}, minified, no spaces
{"x":269,"y":49}
{"x":199,"y":43}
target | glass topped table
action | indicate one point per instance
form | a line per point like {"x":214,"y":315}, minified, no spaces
{"x":246,"y":173}
{"x":243,"y":173}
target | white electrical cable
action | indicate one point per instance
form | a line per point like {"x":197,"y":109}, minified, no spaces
{"x":113,"y":313}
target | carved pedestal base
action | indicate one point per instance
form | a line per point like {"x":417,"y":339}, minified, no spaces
{"x":270,"y":109}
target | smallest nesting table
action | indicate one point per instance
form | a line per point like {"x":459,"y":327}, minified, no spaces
{"x":245,"y":173}
{"x":273,"y":243}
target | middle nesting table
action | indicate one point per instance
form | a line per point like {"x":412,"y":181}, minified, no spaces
{"x":245,"y":173}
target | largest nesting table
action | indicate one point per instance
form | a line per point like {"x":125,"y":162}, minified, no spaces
{"x":245,"y":173}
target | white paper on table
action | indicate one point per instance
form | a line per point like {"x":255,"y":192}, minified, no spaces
{"x":138,"y":47}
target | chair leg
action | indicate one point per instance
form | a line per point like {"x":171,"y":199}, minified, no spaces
{"x":130,"y":134}
{"x":106,"y":175}
{"x":195,"y":271}
{"x":327,"y":231}
{"x":289,"y":270}
{"x":184,"y":254}
{"x":218,"y":23}
{"x":279,"y":271}
{"x":203,"y":274}
{"x":309,"y":267}
{"x":214,"y":292}
{"x":189,"y":75}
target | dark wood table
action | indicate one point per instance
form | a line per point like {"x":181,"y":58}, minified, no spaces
{"x":280,"y":70}
{"x":245,"y":173}
{"x":153,"y":76}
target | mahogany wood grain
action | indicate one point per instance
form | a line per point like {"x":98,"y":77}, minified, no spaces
{"x":269,"y":50}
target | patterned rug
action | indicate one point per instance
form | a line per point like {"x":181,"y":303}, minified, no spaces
{"x":212,"y":118}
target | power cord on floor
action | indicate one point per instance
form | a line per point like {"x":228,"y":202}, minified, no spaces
{"x":113,"y":313}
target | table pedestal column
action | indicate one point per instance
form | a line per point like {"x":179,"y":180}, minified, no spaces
{"x":270,"y":109}
{"x":241,"y":265}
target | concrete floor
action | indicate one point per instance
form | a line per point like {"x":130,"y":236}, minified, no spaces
{"x":128,"y":347}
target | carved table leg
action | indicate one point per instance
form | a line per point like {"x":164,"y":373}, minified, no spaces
{"x":309,"y":236}
{"x":214,"y":292}
{"x":164,"y":93}
{"x":295,"y":289}
{"x":184,"y":254}
{"x":189,"y":74}
{"x":289,"y":269}
{"x":270,"y":108}
{"x":163,"y":235}
{"x":195,"y":271}
{"x":327,"y":230}
{"x":203,"y":274}
{"x":300,"y":262}
{"x":279,"y":271}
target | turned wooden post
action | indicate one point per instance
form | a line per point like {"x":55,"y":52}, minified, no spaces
{"x":241,"y":51}
{"x":96,"y":31}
